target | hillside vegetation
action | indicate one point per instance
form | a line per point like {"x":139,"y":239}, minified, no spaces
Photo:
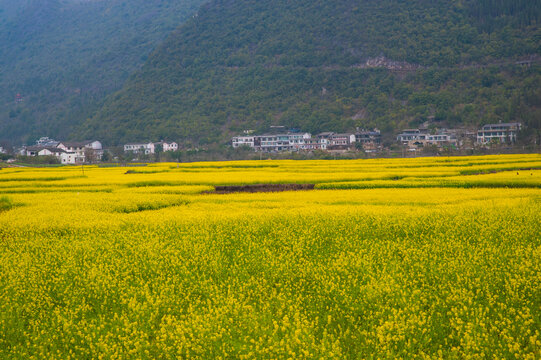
{"x":320,"y":65}
{"x":65,"y":56}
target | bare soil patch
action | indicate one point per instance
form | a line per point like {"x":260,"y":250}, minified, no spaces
{"x":254,"y":188}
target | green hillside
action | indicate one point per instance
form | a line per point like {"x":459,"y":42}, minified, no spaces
{"x":332,"y":65}
{"x":65,"y":56}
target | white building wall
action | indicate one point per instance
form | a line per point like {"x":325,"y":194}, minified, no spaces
{"x":243,"y":141}
{"x":69,"y":158}
{"x":173,"y":146}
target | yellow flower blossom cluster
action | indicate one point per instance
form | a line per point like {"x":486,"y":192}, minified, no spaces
{"x":430,"y":258}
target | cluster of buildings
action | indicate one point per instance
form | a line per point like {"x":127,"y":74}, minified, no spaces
{"x":490,"y":133}
{"x":502,"y":133}
{"x":67,"y":152}
{"x":370,"y":140}
{"x":78,"y":152}
{"x":422,"y":137}
{"x":298,"y":141}
{"x":150,"y":147}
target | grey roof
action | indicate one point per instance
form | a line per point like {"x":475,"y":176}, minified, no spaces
{"x":139,"y":143}
{"x":77,"y":143}
{"x":54,"y":149}
{"x":503,"y":124}
{"x":39,"y":148}
{"x":164,"y":142}
{"x":34,"y":148}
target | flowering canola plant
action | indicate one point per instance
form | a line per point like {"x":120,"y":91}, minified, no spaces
{"x":418,"y":258}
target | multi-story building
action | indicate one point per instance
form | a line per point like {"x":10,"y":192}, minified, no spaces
{"x":140,"y":148}
{"x":342,"y":139}
{"x":421,"y":137}
{"x":272,"y":142}
{"x":239,"y":141}
{"x":167,"y":145}
{"x":297,"y":140}
{"x":502,"y":133}
{"x":368,"y":137}
{"x":82,"y":148}
{"x":408,"y":135}
{"x":150,"y":147}
{"x":325,"y":139}
{"x":311,"y":144}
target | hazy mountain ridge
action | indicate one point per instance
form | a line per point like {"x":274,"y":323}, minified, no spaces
{"x":65,"y":56}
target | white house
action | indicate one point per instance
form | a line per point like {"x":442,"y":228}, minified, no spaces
{"x":82,"y":148}
{"x":503,"y":133}
{"x":297,"y":140}
{"x":50,"y":152}
{"x":312,"y":144}
{"x":342,"y":139}
{"x":70,"y":158}
{"x":325,"y":139}
{"x":239,"y":141}
{"x":292,"y":141}
{"x":94,"y":145}
{"x":72,"y":146}
{"x":143,"y":148}
{"x":420,"y":137}
{"x":77,"y":150}
{"x":412,"y":134}
{"x":368,"y":136}
{"x":65,"y":157}
{"x":167,"y":145}
{"x":30,"y":150}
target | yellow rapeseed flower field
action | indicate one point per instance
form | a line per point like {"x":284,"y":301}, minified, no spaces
{"x":429,"y":258}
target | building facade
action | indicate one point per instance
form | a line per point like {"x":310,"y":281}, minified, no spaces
{"x":342,"y":139}
{"x":368,"y":137}
{"x":239,"y":141}
{"x":140,"y":148}
{"x":422,"y":137}
{"x":66,"y":152}
{"x":166,"y":145}
{"x":272,"y":142}
{"x":298,"y":141}
{"x":150,"y":147}
{"x":501,"y":133}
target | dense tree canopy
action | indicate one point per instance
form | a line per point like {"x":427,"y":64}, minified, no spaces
{"x":64,"y":56}
{"x":237,"y":64}
{"x":325,"y":65}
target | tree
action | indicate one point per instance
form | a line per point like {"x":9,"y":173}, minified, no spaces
{"x":158,"y":149}
{"x":106,"y":156}
{"x":90,"y":156}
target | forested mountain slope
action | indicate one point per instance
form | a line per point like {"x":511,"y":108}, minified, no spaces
{"x":332,"y":65}
{"x":64,"y":56}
